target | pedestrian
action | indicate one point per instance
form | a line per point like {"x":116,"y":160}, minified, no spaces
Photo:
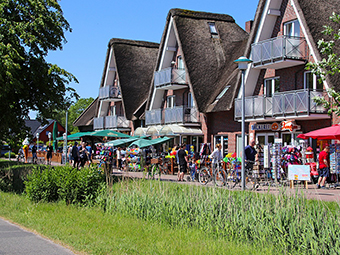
{"x":34,"y":153}
{"x":49,"y":150}
{"x":250,"y":155}
{"x":216,"y":155}
{"x":119,"y":158}
{"x":324,"y":164}
{"x":69,"y":154}
{"x":83,"y":154}
{"x":183,"y":162}
{"x":89,"y":154}
{"x":75,"y":155}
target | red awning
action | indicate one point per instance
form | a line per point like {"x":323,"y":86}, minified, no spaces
{"x":332,"y":132}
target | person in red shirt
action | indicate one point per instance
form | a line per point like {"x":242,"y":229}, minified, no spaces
{"x":323,"y":167}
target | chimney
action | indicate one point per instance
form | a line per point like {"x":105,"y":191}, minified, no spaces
{"x":248,"y":26}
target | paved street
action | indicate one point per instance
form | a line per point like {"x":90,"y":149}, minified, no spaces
{"x":15,"y":240}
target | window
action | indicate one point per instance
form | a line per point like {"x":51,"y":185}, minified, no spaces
{"x":190,"y":100}
{"x":212,"y":28}
{"x":292,"y":28}
{"x":180,"y":63}
{"x":271,"y":86}
{"x":113,"y":110}
{"x":170,"y":102}
{"x":311,"y":81}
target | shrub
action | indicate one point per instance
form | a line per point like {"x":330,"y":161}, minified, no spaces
{"x":6,"y":155}
{"x":64,"y":183}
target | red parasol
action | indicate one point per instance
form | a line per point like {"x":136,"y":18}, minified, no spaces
{"x":332,"y":132}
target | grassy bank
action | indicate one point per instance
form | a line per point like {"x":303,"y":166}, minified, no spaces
{"x":92,"y":231}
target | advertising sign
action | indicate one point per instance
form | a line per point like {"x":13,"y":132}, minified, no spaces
{"x":299,"y":172}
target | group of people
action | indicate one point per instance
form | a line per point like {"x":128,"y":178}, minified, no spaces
{"x":79,"y":155}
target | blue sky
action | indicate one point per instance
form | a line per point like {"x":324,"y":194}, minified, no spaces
{"x":94,"y":23}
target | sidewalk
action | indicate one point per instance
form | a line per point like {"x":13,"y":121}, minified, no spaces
{"x":15,"y":240}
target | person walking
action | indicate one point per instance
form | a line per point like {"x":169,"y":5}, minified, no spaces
{"x":324,"y":164}
{"x":183,"y":162}
{"x":83,"y":154}
{"x":250,"y":155}
{"x":34,"y":154}
{"x":75,"y":155}
{"x":49,"y":150}
{"x":216,"y":155}
{"x":89,"y":154}
{"x":119,"y":158}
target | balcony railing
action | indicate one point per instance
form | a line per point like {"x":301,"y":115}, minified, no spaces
{"x":289,"y":103}
{"x":169,"y":76}
{"x":109,"y":92}
{"x":116,"y":122}
{"x":178,"y":114}
{"x":279,"y":48}
{"x":98,"y":123}
{"x":153,"y":117}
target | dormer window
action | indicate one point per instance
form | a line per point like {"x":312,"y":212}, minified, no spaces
{"x":213,"y":29}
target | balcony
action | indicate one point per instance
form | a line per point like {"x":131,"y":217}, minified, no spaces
{"x":178,"y":114}
{"x":170,"y":78}
{"x":116,"y":122}
{"x":110,"y":93}
{"x":153,"y":117}
{"x":296,"y":103}
{"x":181,"y":114}
{"x":98,"y":123}
{"x":279,"y":52}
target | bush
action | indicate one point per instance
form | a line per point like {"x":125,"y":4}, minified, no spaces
{"x":6,"y":155}
{"x":64,"y":183}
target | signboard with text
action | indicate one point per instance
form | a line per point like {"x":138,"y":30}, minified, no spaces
{"x":299,"y":172}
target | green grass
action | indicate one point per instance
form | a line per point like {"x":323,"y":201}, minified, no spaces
{"x":92,"y":231}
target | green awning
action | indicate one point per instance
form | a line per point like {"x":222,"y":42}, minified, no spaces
{"x":142,"y":143}
{"x":75,"y":136}
{"x":121,"y":141}
{"x":109,"y":133}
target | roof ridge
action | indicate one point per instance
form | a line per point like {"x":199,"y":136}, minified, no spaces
{"x":201,"y":15}
{"x":133,"y":42}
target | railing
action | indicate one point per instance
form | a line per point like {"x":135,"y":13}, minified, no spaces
{"x":180,"y":114}
{"x":98,"y":123}
{"x":169,"y":76}
{"x":153,"y":117}
{"x":177,"y":114}
{"x":116,"y":122}
{"x":279,"y":48}
{"x":109,"y":92}
{"x":289,"y":103}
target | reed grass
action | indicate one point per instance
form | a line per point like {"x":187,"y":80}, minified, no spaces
{"x":291,"y":224}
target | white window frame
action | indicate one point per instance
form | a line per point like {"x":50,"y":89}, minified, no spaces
{"x":295,"y":25}
{"x":191,"y":103}
{"x":315,"y":81}
{"x":180,"y":63}
{"x":170,"y":101}
{"x":212,"y":28}
{"x":272,"y":86}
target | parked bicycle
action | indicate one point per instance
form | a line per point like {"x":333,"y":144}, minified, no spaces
{"x":234,"y":177}
{"x":213,"y":173}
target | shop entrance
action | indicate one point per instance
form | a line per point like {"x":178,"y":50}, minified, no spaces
{"x":265,"y":138}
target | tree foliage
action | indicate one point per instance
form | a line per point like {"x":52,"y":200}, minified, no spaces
{"x":73,"y":113}
{"x":29,"y":29}
{"x":330,"y":64}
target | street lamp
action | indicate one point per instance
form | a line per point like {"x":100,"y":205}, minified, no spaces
{"x":243,"y":65}
{"x":49,"y":137}
{"x":37,"y":135}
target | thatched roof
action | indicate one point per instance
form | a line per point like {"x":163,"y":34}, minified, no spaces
{"x":315,"y":14}
{"x":208,"y":60}
{"x":135,"y":61}
{"x":87,"y":116}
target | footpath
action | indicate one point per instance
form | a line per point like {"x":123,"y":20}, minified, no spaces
{"x":16,"y":240}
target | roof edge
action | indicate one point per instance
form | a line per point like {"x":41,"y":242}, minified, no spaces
{"x":115,"y":41}
{"x":200,"y":15}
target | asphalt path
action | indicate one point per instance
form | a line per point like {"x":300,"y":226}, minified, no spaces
{"x":16,"y":240}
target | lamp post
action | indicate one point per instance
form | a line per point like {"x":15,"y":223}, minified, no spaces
{"x":243,"y":65}
{"x":65,"y":139}
{"x":37,"y":135}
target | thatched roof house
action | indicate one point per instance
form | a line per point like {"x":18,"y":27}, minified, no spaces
{"x":208,"y":56}
{"x":134,"y":62}
{"x":84,"y":122}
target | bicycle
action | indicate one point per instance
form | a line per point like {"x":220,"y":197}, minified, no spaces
{"x":234,"y":176}
{"x":216,"y":174}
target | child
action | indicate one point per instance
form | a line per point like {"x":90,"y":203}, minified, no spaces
{"x":192,"y":167}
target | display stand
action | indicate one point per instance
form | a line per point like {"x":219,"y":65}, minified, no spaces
{"x":334,"y":154}
{"x":276,"y":158}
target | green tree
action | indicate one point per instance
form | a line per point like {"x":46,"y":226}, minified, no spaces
{"x":29,"y":29}
{"x":73,"y":113}
{"x":330,"y":64}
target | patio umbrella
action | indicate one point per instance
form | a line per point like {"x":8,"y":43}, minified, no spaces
{"x":141,"y":143}
{"x":332,"y":132}
{"x":109,"y":133}
{"x":75,"y":136}
{"x":121,"y":141}
{"x":55,"y":135}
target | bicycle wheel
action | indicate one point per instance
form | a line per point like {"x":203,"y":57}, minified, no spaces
{"x":250,"y":181}
{"x":204,"y":176}
{"x":220,"y":177}
{"x":232,"y":178}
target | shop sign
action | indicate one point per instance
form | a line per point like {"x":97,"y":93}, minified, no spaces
{"x":289,"y":125}
{"x":262,"y":127}
{"x":299,"y":172}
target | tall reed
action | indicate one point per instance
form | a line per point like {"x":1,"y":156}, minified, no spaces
{"x":290,"y":223}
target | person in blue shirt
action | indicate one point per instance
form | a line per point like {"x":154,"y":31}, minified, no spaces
{"x":89,"y":155}
{"x":250,"y":154}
